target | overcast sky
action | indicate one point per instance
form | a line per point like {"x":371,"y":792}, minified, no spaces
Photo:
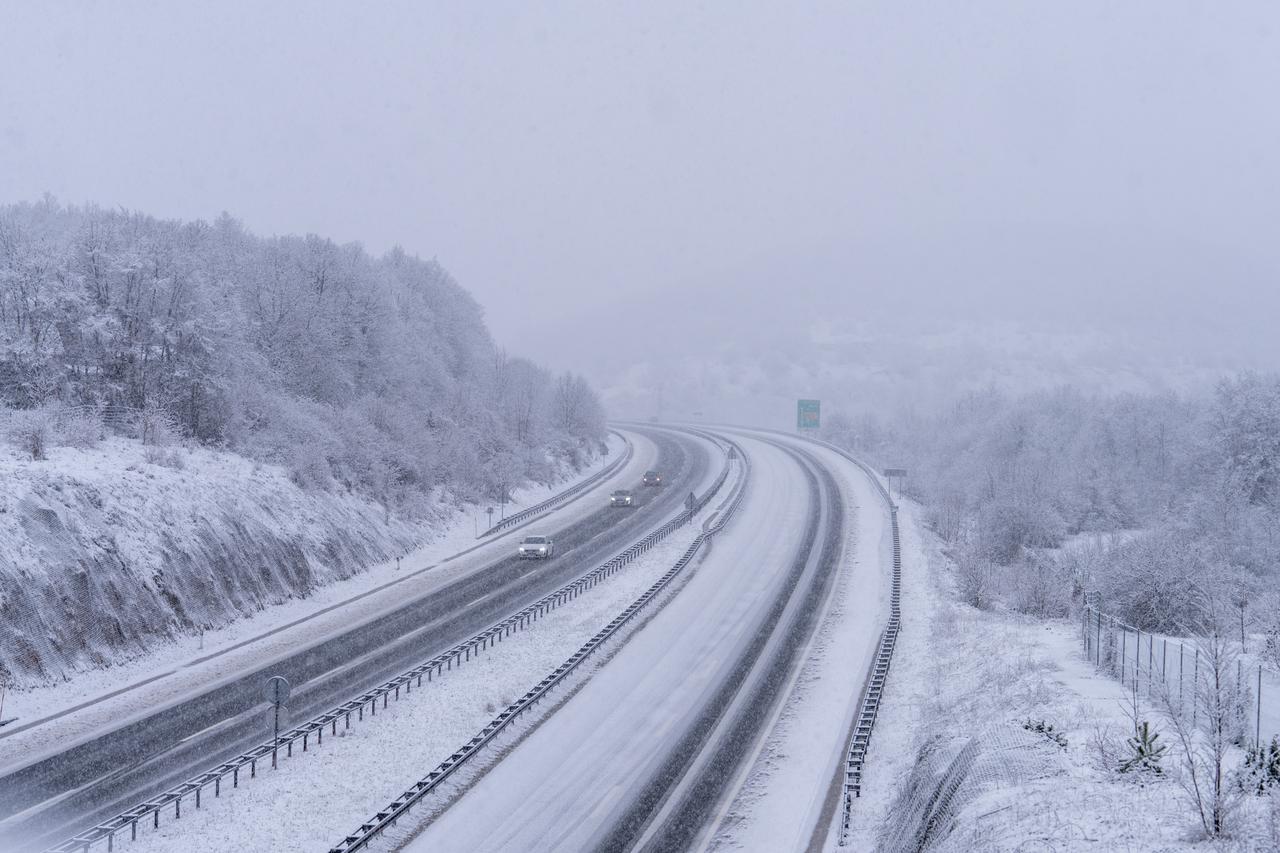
{"x":569,"y":160}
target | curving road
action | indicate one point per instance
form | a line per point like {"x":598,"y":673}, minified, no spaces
{"x":642,"y":756}
{"x":58,"y":795}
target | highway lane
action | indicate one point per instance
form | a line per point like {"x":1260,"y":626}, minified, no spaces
{"x":63,"y":793}
{"x":679,"y":807}
{"x":659,"y":724}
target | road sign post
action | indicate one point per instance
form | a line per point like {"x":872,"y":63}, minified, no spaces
{"x":489,"y":510}
{"x":889,"y":474}
{"x":808,"y":414}
{"x":690,"y":502}
{"x":277,"y":693}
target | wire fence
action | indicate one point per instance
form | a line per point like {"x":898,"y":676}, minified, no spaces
{"x":1173,"y":671}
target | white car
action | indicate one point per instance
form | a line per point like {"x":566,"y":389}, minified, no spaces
{"x":536,"y":548}
{"x":622,"y":497}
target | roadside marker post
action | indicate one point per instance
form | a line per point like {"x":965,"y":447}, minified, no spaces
{"x":889,"y":474}
{"x":277,"y":692}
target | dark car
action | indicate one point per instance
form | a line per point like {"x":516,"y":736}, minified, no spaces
{"x":652,"y":478}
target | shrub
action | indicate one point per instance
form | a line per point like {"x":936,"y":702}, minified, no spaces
{"x":975,"y":578}
{"x":1260,"y":773}
{"x":1049,"y":731}
{"x":1145,"y":752}
{"x":79,"y":428}
{"x":31,"y":431}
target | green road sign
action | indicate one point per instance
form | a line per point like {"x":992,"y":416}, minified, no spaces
{"x":807,"y":414}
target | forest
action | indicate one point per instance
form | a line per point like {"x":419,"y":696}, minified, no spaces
{"x":1159,"y":508}
{"x":369,"y":374}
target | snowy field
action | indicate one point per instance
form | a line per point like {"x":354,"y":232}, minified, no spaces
{"x":92,"y":701}
{"x":959,"y":673}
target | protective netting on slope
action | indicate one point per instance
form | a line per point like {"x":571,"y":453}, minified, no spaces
{"x":949,"y":773}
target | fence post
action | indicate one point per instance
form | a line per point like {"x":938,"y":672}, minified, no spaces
{"x":1239,"y":709}
{"x":1151,"y":661}
{"x":1195,"y":690}
{"x":1099,"y":637}
{"x":1257,"y":737}
{"x":1137,"y":658}
{"x":1181,"y":650}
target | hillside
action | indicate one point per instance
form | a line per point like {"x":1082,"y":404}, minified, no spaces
{"x":355,"y":372}
{"x":105,"y":554}
{"x":196,"y":423}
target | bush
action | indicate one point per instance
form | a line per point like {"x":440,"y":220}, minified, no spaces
{"x":975,"y":579}
{"x":31,"y":431}
{"x":1260,"y":773}
{"x":1040,"y":587}
{"x":309,"y":468}
{"x":1047,"y":729}
{"x":80,"y":428}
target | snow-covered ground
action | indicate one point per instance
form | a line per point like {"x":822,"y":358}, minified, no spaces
{"x":96,"y":701}
{"x":1152,"y":658}
{"x":786,"y":796}
{"x":564,"y":785}
{"x":104,"y":554}
{"x":961,"y":674}
{"x":315,"y":799}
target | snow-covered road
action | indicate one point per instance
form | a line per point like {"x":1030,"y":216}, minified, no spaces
{"x":55,"y":718}
{"x":598,"y":532}
{"x":790,"y":795}
{"x":314,"y":799}
{"x":568,"y":783}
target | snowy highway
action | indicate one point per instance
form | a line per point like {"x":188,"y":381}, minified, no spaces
{"x":670,"y":741}
{"x":650,"y":752}
{"x":50,"y":798}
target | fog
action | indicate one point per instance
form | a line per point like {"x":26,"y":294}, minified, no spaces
{"x":717,"y":208}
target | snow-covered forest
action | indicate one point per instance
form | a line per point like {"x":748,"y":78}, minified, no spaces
{"x":199,"y":423}
{"x":372,"y":374}
{"x":1150,"y":502}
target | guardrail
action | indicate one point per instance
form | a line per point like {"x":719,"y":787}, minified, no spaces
{"x":397,"y":809}
{"x":878,"y":673}
{"x":193,"y":789}
{"x":572,"y":491}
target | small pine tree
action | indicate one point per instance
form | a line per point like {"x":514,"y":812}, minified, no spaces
{"x":1147,"y":751}
{"x":1261,"y":771}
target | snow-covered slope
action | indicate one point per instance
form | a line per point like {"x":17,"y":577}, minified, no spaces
{"x":103,"y":552}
